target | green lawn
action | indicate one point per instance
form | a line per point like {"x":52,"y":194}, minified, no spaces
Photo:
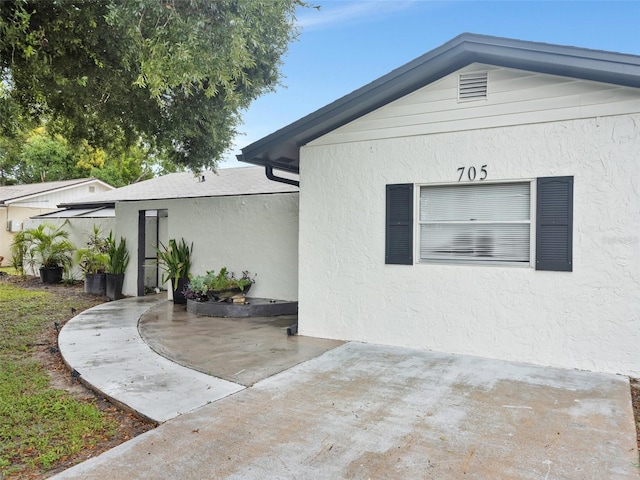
{"x":38,"y":424}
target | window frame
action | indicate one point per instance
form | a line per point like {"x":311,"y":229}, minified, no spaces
{"x":550,"y":236}
{"x":480,"y":262}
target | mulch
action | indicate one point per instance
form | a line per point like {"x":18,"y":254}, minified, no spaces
{"x":635,"y":401}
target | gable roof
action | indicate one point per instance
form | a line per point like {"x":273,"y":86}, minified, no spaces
{"x":281,"y":149}
{"x":226,"y":182}
{"x":13,"y":193}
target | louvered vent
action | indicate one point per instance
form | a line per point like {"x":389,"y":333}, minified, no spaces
{"x":472,"y":86}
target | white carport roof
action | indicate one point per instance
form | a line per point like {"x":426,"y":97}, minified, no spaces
{"x":99,"y":212}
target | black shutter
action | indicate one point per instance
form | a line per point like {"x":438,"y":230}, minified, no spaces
{"x":399,"y":234}
{"x":554,"y":224}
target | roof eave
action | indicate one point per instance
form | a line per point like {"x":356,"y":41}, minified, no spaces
{"x":595,"y":65}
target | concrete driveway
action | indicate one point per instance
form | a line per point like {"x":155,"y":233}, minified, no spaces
{"x":363,"y":411}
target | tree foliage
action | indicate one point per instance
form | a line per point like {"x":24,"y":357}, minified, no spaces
{"x":39,"y":156}
{"x":46,"y":158}
{"x":12,"y":122}
{"x":174,"y":74}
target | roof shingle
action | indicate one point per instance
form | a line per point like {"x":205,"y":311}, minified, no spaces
{"x":226,"y":182}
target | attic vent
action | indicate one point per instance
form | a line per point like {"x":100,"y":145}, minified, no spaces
{"x":472,"y":86}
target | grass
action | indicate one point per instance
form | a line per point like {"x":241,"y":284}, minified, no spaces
{"x":39,"y":425}
{"x":8,"y":269}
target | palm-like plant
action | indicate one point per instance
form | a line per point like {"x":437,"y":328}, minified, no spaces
{"x":175,"y":259}
{"x":19,"y":252}
{"x":45,"y":246}
{"x":118,"y":256}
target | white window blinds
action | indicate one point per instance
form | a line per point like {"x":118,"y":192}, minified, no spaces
{"x":477,"y":223}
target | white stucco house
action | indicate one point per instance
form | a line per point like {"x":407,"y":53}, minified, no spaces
{"x":20,"y":202}
{"x":483,"y":199}
{"x":236,"y":218}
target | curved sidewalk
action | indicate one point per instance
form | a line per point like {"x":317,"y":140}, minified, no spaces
{"x":125,"y":369}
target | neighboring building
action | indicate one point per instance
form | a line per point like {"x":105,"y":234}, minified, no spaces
{"x":236,"y":218}
{"x":19,"y":202}
{"x":483,"y":199}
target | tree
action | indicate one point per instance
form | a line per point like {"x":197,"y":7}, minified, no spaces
{"x":12,"y":122}
{"x":175,"y":73}
{"x":131,"y":166}
{"x":39,"y":156}
{"x":45,"y":158}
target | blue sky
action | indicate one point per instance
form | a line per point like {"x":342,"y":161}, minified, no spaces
{"x":349,"y":43}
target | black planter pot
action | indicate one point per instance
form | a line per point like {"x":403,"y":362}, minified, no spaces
{"x":95,"y":284}
{"x":115,"y":281}
{"x":51,"y":274}
{"x":178,"y":295}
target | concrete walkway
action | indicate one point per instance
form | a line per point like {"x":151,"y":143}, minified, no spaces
{"x":241,"y":350}
{"x":361,"y":411}
{"x":103,"y":345}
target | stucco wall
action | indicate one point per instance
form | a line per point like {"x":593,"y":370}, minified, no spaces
{"x":586,"y":319}
{"x":258,"y":233}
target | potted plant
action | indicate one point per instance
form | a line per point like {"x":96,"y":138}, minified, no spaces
{"x":225,"y":285}
{"x":175,"y":260}
{"x":45,"y":247}
{"x":116,"y":268}
{"x":93,"y":260}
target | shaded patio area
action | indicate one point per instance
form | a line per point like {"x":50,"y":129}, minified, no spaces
{"x":240,"y":350}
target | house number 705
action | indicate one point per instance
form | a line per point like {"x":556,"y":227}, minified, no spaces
{"x":472,"y":174}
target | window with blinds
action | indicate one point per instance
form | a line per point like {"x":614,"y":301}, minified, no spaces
{"x":488,"y":223}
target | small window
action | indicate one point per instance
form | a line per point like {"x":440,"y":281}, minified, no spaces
{"x":489,"y":223}
{"x":92,"y":189}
